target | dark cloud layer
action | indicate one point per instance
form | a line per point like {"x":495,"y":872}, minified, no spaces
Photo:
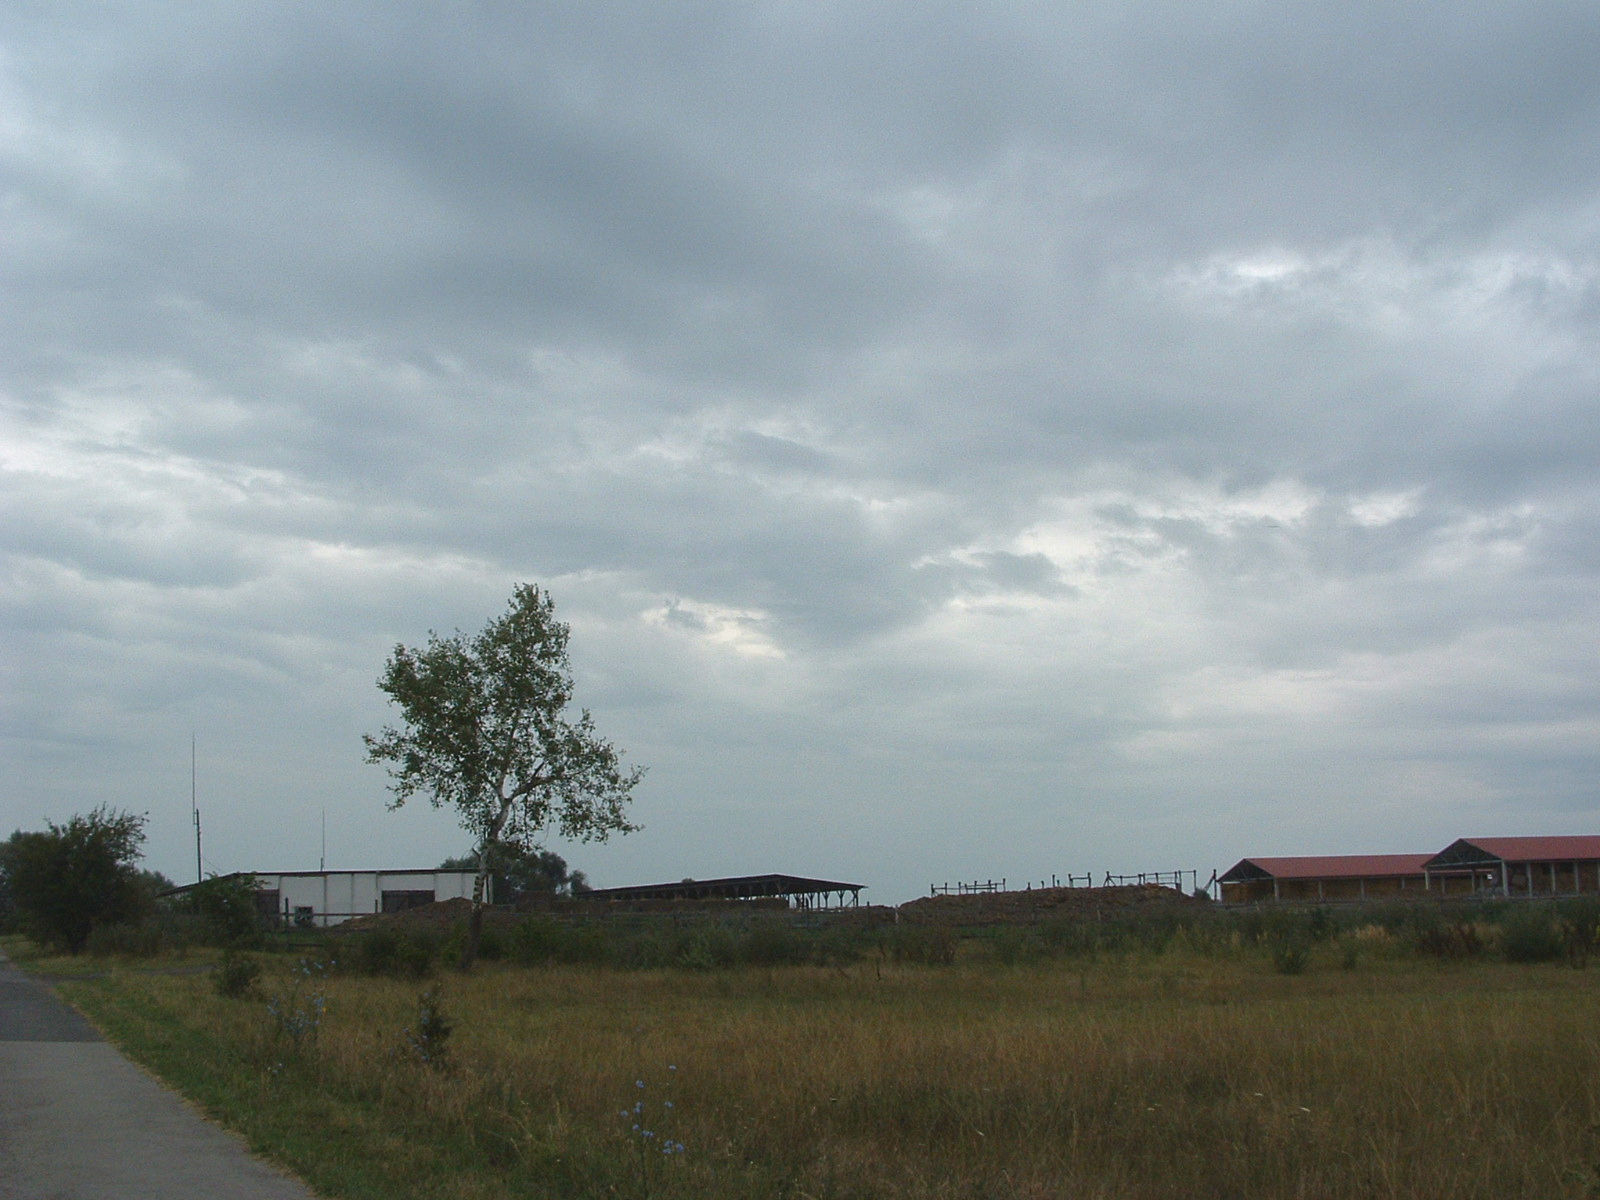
{"x":1001,"y":441}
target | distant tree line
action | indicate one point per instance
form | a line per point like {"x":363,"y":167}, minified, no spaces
{"x":521,"y":873}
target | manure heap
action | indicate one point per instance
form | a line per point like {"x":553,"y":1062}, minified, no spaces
{"x":1044,"y":904}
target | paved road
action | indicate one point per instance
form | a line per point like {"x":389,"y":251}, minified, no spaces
{"x":78,"y":1121}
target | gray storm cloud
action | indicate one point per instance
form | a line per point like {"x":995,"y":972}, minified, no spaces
{"x":1004,"y":441}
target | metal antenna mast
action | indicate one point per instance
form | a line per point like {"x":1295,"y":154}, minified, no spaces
{"x":194,"y":804}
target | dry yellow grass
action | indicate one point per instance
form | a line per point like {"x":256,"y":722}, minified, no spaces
{"x":1175,"y":1076}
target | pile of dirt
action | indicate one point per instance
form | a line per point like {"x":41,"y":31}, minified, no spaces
{"x":1044,"y":904}
{"x":975,"y":909}
{"x":438,"y":918}
{"x":443,"y":915}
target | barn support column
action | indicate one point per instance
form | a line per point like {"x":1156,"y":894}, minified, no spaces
{"x":1275,"y":894}
{"x":1505,"y":880}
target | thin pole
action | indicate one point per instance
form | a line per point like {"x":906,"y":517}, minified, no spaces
{"x":194,"y":803}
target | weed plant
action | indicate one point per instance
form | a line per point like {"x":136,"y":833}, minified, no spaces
{"x":294,"y":1015}
{"x":649,"y":1122}
{"x":428,"y":1041}
{"x":235,"y":975}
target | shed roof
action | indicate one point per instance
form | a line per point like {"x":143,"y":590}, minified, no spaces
{"x":313,"y":874}
{"x":736,"y":887}
{"x":1466,"y":852}
{"x":1326,"y":866}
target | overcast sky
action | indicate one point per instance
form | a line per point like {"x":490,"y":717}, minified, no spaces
{"x":966,"y":440}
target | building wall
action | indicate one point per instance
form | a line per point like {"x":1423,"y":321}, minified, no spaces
{"x":335,"y":896}
{"x":1524,"y":879}
{"x":1251,"y":891}
{"x":1315,"y":890}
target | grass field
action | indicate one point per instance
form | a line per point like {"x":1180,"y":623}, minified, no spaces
{"x":1171,"y":1074}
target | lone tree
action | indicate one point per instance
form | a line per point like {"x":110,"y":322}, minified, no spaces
{"x":68,"y":879}
{"x":487,"y":732}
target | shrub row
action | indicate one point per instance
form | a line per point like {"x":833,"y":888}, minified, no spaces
{"x":1522,"y":932}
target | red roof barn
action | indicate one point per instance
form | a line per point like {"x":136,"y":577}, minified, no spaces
{"x":1324,"y":877}
{"x":1517,"y":866}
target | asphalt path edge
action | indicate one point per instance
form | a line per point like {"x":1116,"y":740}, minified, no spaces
{"x":79,"y":1120}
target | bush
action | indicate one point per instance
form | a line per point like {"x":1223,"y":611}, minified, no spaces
{"x":706,"y":947}
{"x":774,"y":944}
{"x":69,"y":879}
{"x":1290,"y":955}
{"x":837,"y":947}
{"x":226,"y":906}
{"x":385,"y":951}
{"x":1449,"y":941}
{"x":1071,"y":939}
{"x":930,"y":945}
{"x":141,"y":940}
{"x":236,"y":975}
{"x":491,"y":944}
{"x":539,"y":940}
{"x":1580,"y":930}
{"x":1319,"y":925}
{"x":1010,"y":946}
{"x":1531,"y":936}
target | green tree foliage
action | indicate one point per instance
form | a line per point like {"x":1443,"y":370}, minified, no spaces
{"x":228,"y":906}
{"x":68,"y":879}
{"x":486,"y":730}
{"x":522,"y":873}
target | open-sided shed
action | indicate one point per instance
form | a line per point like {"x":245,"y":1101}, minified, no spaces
{"x":1517,"y":866}
{"x":1323,"y":877}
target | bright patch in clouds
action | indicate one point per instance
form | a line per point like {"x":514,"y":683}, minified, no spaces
{"x":742,"y":632}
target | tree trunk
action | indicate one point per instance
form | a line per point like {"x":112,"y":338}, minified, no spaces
{"x":469,"y":952}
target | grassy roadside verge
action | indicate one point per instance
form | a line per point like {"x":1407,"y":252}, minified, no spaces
{"x":1162,"y":1075}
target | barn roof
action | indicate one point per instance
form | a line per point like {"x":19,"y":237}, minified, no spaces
{"x":737,"y":887}
{"x":1467,"y":852}
{"x":1326,"y":866}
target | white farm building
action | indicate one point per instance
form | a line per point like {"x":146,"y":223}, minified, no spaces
{"x":321,"y":898}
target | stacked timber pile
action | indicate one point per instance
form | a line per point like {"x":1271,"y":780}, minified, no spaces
{"x":1044,"y":904}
